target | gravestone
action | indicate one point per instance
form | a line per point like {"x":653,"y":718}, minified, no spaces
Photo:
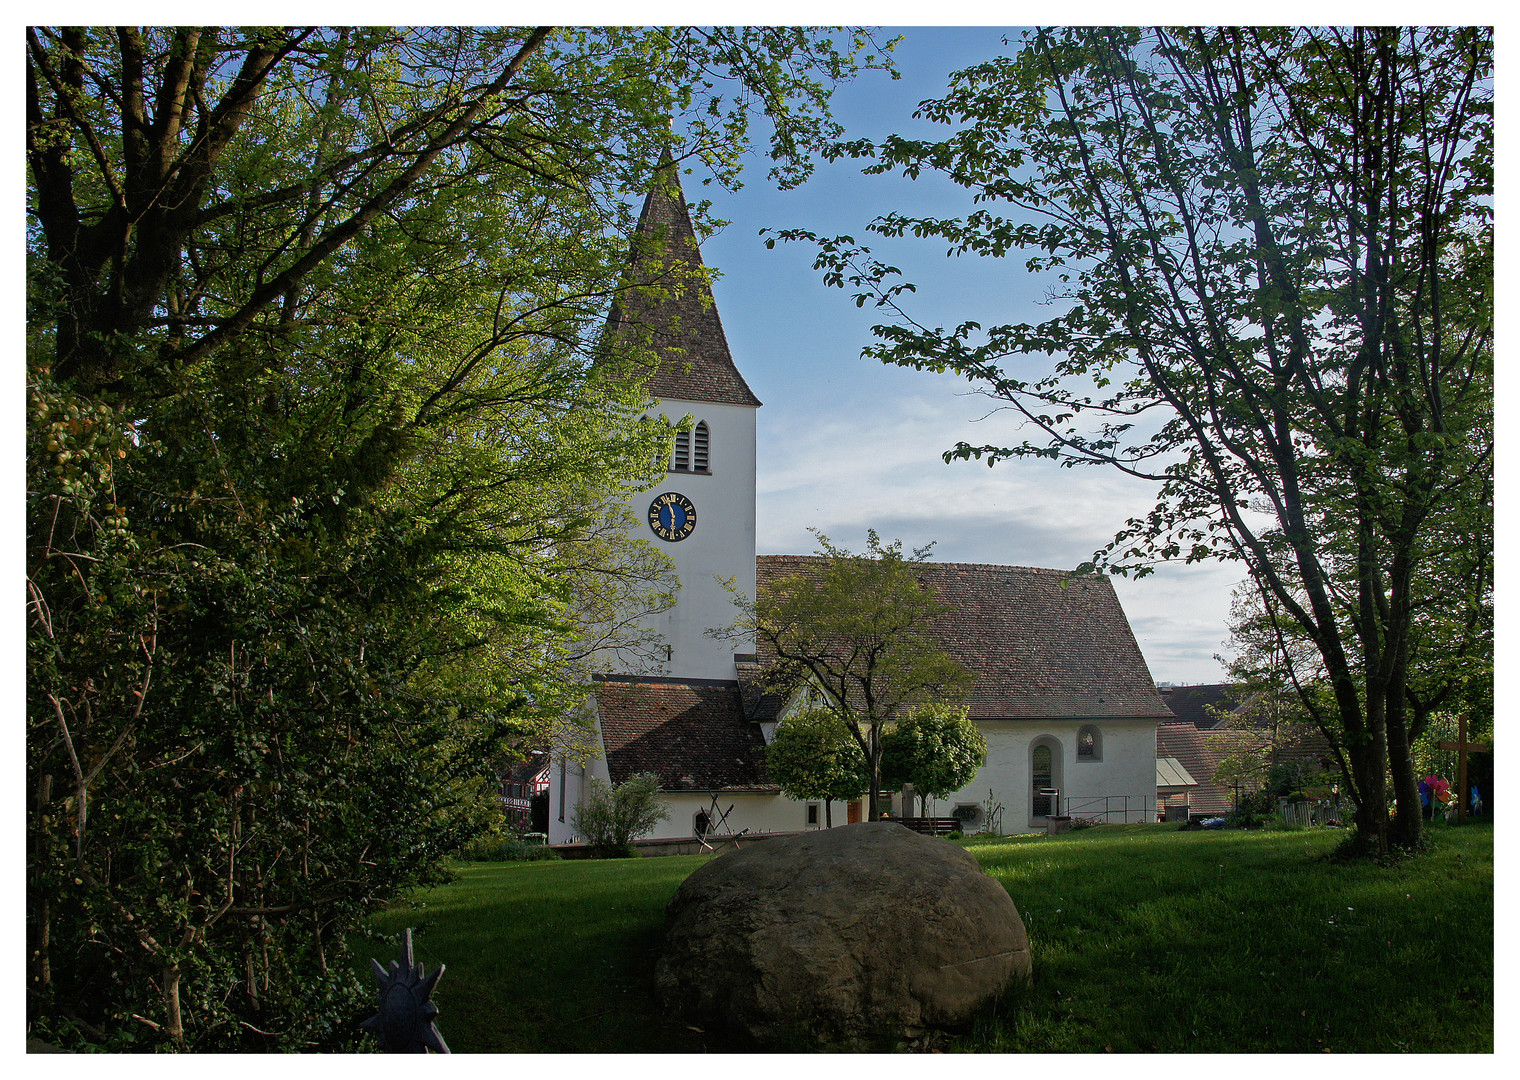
{"x":862,"y":936}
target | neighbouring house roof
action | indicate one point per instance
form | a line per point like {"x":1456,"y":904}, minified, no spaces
{"x":692,"y":733}
{"x":531,"y":768}
{"x":674,"y":304}
{"x":1171,"y":774}
{"x":1183,"y":743}
{"x":1200,"y":752}
{"x":1042,"y":644}
{"x":1203,"y":706}
{"x":1199,"y":739}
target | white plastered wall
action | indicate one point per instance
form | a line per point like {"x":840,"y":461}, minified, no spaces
{"x":1123,"y":776}
{"x":757,"y":813}
{"x":1122,"y":780}
{"x":721,"y":546}
{"x":567,"y":786}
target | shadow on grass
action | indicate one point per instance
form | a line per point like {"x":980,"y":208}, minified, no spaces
{"x":1144,"y":939}
{"x":1156,"y":940}
{"x":550,"y":957}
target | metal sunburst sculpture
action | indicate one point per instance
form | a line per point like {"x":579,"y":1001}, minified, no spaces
{"x":404,"y":1024}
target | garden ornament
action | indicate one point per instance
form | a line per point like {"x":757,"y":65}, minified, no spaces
{"x":405,"y":1022}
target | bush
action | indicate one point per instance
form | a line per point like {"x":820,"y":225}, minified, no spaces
{"x":1254,"y":810}
{"x":1245,"y":818}
{"x":611,"y":819}
{"x":523,"y":851}
{"x":505,"y":849}
{"x":480,"y":849}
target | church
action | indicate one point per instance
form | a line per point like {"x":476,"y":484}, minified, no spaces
{"x":1061,"y":692}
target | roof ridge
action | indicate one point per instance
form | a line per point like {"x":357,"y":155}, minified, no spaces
{"x":664,"y":680}
{"x":967,"y":566}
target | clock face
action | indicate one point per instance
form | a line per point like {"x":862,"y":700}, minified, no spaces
{"x":672,"y":517}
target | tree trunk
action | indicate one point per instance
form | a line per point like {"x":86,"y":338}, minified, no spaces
{"x":1408,"y":824}
{"x":174,"y":1024}
{"x":873,"y":796}
{"x":1368,"y":757}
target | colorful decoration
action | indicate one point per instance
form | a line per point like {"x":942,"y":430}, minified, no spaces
{"x":1437,"y":788}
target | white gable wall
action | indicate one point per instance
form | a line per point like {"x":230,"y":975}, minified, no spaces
{"x":1124,"y":776}
{"x":568,"y":782}
{"x":758,"y":813}
{"x":1120,"y":782}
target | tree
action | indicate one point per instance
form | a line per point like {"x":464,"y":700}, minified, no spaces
{"x":857,"y":629}
{"x":812,"y":756}
{"x":1262,"y":721}
{"x":612,"y":818}
{"x":194,"y":186}
{"x":318,"y":444}
{"x":935,"y":748}
{"x":1270,"y":254}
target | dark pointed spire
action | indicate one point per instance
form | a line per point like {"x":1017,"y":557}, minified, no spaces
{"x":673,"y":303}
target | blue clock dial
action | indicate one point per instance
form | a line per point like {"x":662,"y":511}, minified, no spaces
{"x":672,"y":517}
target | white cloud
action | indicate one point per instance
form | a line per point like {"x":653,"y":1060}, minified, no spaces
{"x":854,"y":464}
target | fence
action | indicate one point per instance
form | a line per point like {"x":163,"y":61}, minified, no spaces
{"x":1111,"y":809}
{"x":932,"y":826}
{"x":1308,"y":813}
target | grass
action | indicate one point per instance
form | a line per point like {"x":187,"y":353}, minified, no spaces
{"x":1143,"y":938}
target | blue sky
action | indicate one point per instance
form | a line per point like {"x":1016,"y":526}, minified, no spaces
{"x":847,"y":444}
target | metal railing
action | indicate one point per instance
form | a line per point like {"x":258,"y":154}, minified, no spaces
{"x":1111,"y":809}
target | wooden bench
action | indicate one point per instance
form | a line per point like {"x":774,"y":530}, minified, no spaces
{"x":931,"y":826}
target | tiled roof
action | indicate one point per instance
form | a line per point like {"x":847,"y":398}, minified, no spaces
{"x":1200,"y":756}
{"x":1201,"y":749}
{"x":1041,"y":643}
{"x":691,"y":732}
{"x":761,"y":703}
{"x":674,"y":305}
{"x":529,"y":769}
{"x":1204,"y":705}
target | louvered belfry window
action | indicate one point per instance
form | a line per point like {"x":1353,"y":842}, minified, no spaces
{"x":699,"y":457}
{"x":682,"y":460}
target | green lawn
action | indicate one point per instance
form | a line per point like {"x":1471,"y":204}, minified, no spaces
{"x":1144,"y":938}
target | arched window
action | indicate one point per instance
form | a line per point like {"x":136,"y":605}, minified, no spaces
{"x":1089,"y":744}
{"x":681,"y":460}
{"x":1044,"y":778}
{"x":699,"y":454}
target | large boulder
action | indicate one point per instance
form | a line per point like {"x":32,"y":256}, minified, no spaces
{"x":863,"y":936}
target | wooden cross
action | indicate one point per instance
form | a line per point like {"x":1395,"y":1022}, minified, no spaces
{"x":1463,"y":748}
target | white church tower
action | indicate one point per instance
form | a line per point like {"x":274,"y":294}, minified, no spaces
{"x":703,"y":515}
{"x":1062,"y":694}
{"x":688,"y":723}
